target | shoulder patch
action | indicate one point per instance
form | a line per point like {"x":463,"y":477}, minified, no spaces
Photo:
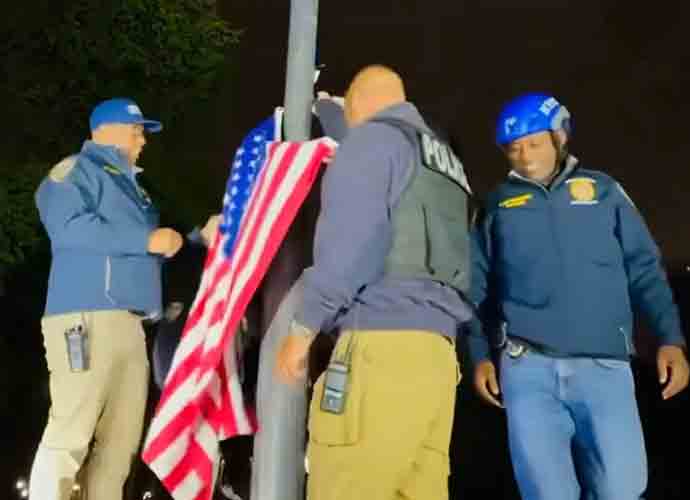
{"x":582,"y":191}
{"x":60,"y":171}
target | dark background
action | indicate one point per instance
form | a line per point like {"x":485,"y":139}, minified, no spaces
{"x":621,"y":69}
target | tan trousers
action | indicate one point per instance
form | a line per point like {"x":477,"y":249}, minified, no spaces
{"x":104,"y":404}
{"x":392,"y":440}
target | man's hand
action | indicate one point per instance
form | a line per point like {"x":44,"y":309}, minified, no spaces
{"x":165,"y":241}
{"x":340,"y":101}
{"x":208,"y":233}
{"x":486,"y":383}
{"x":673,"y":370}
{"x":291,"y":361}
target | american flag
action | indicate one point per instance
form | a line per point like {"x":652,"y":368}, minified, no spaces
{"x":201,"y":403}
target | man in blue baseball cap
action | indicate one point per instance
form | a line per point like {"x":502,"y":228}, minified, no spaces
{"x":107,"y":251}
{"x":561,"y":258}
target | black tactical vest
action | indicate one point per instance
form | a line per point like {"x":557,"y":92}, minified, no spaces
{"x":430,"y":220}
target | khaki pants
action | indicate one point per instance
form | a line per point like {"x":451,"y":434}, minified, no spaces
{"x":392,"y":440}
{"x":105,"y":404}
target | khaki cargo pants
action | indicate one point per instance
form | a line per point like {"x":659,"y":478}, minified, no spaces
{"x":392,"y":440}
{"x":105,"y":403}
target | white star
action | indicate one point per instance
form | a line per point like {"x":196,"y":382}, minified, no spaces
{"x":236,"y":177}
{"x":240,"y":151}
{"x":226,"y":199}
{"x":247,"y":191}
{"x":228,"y":221}
{"x":238,"y":163}
{"x":250,"y":177}
{"x":233,"y":206}
{"x":258,"y":138}
{"x":252,"y":163}
{"x":233,"y":192}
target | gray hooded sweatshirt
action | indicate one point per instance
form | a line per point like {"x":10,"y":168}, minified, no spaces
{"x":346,"y":287}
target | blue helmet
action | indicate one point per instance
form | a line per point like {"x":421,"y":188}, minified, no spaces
{"x":529,"y":114}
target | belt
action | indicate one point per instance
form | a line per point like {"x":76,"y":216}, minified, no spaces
{"x":517,"y":347}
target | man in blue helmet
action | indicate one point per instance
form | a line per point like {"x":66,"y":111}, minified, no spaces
{"x":561,"y":258}
{"x":107,"y":251}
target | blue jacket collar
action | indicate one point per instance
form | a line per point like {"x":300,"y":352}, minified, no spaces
{"x":108,"y":155}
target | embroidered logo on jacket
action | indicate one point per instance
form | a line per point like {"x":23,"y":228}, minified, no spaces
{"x":582,"y":191}
{"x":112,"y":170}
{"x":516,"y":201}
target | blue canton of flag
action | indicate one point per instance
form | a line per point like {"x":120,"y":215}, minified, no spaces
{"x":249,"y":159}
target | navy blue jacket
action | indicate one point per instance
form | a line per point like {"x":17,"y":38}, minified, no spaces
{"x":563,"y":267}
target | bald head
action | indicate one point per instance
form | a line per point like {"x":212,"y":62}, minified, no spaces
{"x":372,"y":90}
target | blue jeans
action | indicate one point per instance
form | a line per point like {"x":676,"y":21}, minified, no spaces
{"x":574,"y":428}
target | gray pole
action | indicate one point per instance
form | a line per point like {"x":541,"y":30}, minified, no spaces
{"x":300,"y":69}
{"x":278,"y":470}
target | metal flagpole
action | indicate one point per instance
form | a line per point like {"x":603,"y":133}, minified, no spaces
{"x":300,"y":69}
{"x":278,"y":471}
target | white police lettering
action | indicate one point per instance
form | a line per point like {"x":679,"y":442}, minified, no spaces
{"x":548,"y":105}
{"x":457,"y":167}
{"x":427,"y":149}
{"x":441,"y":157}
{"x":454,"y":165}
{"x":437,"y":156}
{"x":133,"y":109}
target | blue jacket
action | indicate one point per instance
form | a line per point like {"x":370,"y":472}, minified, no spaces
{"x":99,"y":220}
{"x":563,"y":267}
{"x":345,"y":288}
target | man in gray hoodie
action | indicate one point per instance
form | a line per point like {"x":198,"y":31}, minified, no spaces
{"x":390,"y":268}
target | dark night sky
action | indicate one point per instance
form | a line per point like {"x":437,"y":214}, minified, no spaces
{"x":620,"y":69}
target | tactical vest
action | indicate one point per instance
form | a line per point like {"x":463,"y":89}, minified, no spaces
{"x":430,"y":220}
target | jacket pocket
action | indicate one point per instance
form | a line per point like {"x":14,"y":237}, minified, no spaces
{"x":612,"y":364}
{"x":133,"y":282}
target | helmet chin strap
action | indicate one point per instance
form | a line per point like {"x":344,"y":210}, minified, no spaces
{"x":561,"y":157}
{"x":561,"y":151}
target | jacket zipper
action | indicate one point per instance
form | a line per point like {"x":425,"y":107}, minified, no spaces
{"x":550,"y":210}
{"x":628,"y":347}
{"x":108,"y":276}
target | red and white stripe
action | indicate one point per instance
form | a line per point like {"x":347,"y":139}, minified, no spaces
{"x":202,"y":402}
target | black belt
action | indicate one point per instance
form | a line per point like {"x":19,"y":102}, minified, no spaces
{"x":518,"y":347}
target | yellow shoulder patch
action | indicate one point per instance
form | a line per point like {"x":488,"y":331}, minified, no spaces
{"x":582,"y":189}
{"x":516,"y":201}
{"x":60,"y":171}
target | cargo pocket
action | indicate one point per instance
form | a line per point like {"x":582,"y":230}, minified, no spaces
{"x":428,"y":477}
{"x":342,"y":429}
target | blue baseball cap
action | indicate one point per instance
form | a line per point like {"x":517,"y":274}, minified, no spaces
{"x":121,"y":111}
